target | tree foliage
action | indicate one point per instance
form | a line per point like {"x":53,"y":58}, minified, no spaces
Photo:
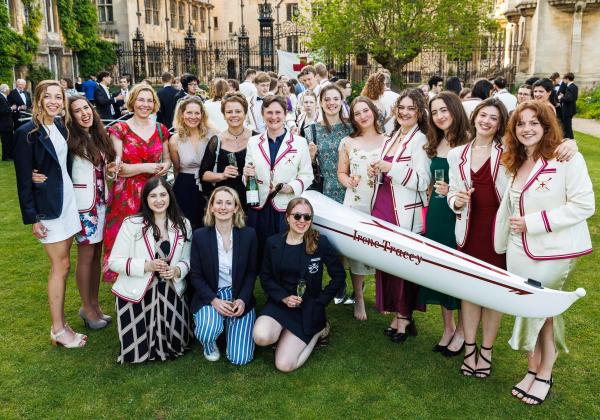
{"x":79,"y":24}
{"x":394,"y":32}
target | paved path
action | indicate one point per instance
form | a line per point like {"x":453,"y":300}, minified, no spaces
{"x":591,"y":127}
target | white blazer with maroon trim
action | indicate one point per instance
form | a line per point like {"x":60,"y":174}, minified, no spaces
{"x":292,"y":166}
{"x":411,"y":176}
{"x":131,"y":250}
{"x":556,"y":201}
{"x":255,"y":120}
{"x":459,"y":161}
{"x":83,"y":175}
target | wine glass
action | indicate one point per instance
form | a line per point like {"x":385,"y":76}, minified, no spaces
{"x":438,"y":175}
{"x":301,"y":287}
{"x":115,"y":174}
{"x":378,"y":177}
{"x":354,"y":175}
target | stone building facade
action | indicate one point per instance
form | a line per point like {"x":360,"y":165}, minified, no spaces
{"x":554,"y":36}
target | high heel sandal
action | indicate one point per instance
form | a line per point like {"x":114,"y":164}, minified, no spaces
{"x":519,"y":390}
{"x":538,"y":400}
{"x":94,"y":325}
{"x":468,"y":370}
{"x":411,"y":329}
{"x":451,"y":353}
{"x":79,"y":340}
{"x":483,"y":373}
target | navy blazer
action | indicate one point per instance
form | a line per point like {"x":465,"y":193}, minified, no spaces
{"x":315,"y":297}
{"x":34,"y":150}
{"x":569,"y":101}
{"x":103,"y":103}
{"x":168,"y":102}
{"x":204,"y":261}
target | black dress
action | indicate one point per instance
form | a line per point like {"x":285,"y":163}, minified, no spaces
{"x":290,"y":318}
{"x":208,"y":164}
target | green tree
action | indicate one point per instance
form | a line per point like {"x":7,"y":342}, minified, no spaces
{"x":394,"y":32}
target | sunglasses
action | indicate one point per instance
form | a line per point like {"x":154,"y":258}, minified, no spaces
{"x":298,"y":216}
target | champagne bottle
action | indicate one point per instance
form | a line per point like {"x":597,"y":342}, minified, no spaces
{"x":252,"y":192}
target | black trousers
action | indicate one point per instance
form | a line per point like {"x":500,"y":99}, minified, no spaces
{"x":7,"y":145}
{"x":567,"y":125}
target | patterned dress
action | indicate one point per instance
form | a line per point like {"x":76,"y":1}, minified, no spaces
{"x":92,"y":221}
{"x":328,"y":144}
{"x":359,"y":198}
{"x":126,"y":192}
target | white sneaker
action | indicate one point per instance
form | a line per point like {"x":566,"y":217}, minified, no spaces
{"x":213,"y":355}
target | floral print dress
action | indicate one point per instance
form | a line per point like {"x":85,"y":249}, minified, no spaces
{"x":92,"y":221}
{"x":328,"y":143}
{"x":126,"y":192}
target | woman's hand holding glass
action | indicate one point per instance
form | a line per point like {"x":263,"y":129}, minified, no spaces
{"x":224,"y":307}
{"x":230,"y":172}
{"x":292,"y":301}
{"x":163,"y":168}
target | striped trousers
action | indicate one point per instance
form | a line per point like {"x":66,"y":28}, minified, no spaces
{"x":240,"y":339}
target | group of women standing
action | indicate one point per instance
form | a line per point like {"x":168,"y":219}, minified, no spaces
{"x":438,"y":174}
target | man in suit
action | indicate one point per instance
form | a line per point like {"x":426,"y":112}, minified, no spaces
{"x":568,"y":104}
{"x":559,"y":87}
{"x":21,"y":98}
{"x":120,"y":107}
{"x":6,"y":123}
{"x":167,"y":99}
{"x":105,"y":103}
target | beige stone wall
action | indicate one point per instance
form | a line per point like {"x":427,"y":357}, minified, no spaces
{"x":590,"y":51}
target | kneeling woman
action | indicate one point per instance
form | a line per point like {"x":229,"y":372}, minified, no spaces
{"x":291,"y":276}
{"x":151,"y":256}
{"x":223,"y":275}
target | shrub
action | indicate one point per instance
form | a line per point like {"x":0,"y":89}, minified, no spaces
{"x":588,"y":104}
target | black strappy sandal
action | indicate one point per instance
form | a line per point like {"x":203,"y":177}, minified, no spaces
{"x":538,"y":400}
{"x":483,"y":373}
{"x":468,"y":370}
{"x":519,"y":390}
{"x":411,"y":329}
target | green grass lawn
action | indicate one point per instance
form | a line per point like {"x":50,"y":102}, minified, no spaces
{"x":360,"y":374}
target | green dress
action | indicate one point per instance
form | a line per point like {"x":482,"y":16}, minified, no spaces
{"x":328,"y":144}
{"x":440,"y":228}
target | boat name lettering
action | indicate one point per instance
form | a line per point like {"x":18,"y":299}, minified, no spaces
{"x":387,"y":246}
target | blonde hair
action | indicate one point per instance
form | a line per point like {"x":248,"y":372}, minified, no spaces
{"x":239,"y":220}
{"x":135,"y":92}
{"x":38,"y":112}
{"x":178,"y":123}
{"x":218,"y":89}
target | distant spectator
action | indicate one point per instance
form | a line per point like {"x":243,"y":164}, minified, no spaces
{"x":234,"y":85}
{"x":247,"y":87}
{"x":67,"y":85}
{"x":482,"y":89}
{"x":436,"y":84}
{"x":465,"y":93}
{"x":568,"y":102}
{"x":453,"y":85}
{"x":508,"y":99}
{"x":89,"y":87}
{"x":166,"y":96}
{"x":525,"y":93}
{"x":189,"y":86}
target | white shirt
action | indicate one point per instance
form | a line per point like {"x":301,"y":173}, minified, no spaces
{"x":387,"y":101}
{"x":215,"y":116}
{"x":248,"y":89}
{"x":508,"y":99}
{"x":470,"y":104}
{"x":22,"y":93}
{"x":225,"y":261}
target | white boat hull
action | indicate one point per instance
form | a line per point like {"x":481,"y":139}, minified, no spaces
{"x":415,"y":258}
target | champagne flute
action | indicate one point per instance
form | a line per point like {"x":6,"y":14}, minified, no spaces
{"x":378,"y":177}
{"x":115,"y":174}
{"x":354,"y":176}
{"x":301,"y":287}
{"x":438,"y":175}
{"x":232,"y":159}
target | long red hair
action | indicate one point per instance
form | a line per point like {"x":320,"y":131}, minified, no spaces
{"x":514,"y":152}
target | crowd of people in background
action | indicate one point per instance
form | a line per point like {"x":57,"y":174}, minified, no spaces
{"x":461,"y":165}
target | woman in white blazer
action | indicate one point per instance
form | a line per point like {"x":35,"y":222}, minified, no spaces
{"x":400,"y":199}
{"x":281,"y":163}
{"x":541,"y":225}
{"x":92,"y":151}
{"x":152,"y":258}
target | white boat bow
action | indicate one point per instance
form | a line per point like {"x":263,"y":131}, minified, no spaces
{"x":415,"y":258}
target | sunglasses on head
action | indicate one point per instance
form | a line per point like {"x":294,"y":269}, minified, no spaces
{"x":298,"y":216}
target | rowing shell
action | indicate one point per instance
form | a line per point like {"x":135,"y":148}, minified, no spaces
{"x":402,"y":253}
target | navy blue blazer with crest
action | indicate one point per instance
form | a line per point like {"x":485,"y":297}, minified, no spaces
{"x":204,"y":261}
{"x":315,"y":297}
{"x":34,"y":150}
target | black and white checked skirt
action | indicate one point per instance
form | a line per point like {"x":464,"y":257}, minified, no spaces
{"x":157,"y":328}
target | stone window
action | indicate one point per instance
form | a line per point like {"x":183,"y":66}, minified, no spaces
{"x":195,"y":18}
{"x":181,"y":13}
{"x":152,"y":9}
{"x":105,"y":10}
{"x":215,"y":22}
{"x":291,"y":11}
{"x":203,"y":20}
{"x":173,"y":7}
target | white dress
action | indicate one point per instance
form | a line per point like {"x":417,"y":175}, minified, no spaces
{"x":359,"y":198}
{"x":68,"y":223}
{"x":551,"y":273}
